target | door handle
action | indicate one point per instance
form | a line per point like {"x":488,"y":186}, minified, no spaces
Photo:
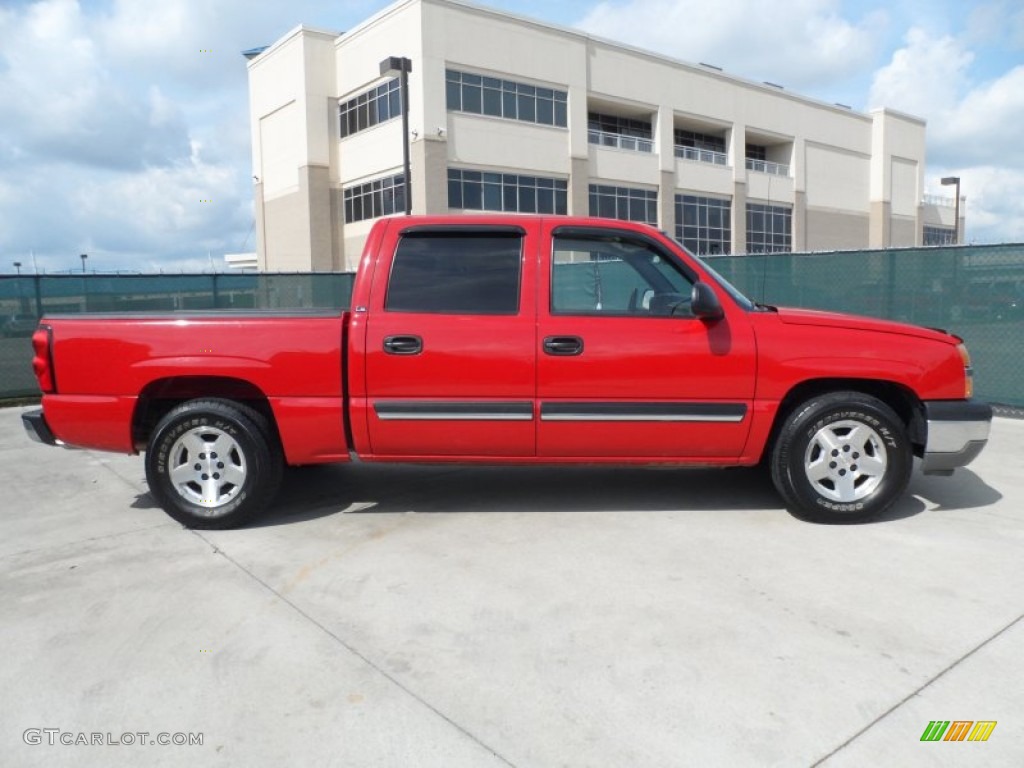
{"x":403,"y":345}
{"x":563,"y":345}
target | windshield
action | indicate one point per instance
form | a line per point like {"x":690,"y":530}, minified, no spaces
{"x":732,"y":290}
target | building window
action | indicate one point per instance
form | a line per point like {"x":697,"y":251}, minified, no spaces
{"x":938,"y":235}
{"x":380,"y":197}
{"x":619,"y":132}
{"x":456,"y":274}
{"x":700,"y":147}
{"x":757,"y":160}
{"x":491,"y":96}
{"x":626,"y":203}
{"x":704,"y":224}
{"x":699,"y":141}
{"x":371,"y":107}
{"x":769,"y":228}
{"x":626,"y":126}
{"x":483,"y":191}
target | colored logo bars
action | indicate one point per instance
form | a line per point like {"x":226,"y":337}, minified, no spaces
{"x":958,"y":730}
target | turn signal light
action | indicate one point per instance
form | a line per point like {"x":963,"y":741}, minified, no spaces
{"x":968,"y":370}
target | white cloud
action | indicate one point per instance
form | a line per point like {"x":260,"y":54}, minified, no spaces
{"x":800,"y":43}
{"x":994,"y":212}
{"x":973,"y":127}
{"x":120,"y":116}
{"x":926,"y":76}
{"x":101,"y":158}
{"x":985,"y":125}
{"x":61,"y":102}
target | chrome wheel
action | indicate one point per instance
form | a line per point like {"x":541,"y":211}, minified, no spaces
{"x":207,"y":467}
{"x":845,"y":461}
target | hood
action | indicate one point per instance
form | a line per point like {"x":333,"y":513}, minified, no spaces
{"x":840,"y":320}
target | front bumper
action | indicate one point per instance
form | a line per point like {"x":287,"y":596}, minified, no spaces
{"x":957,"y":431}
{"x":37,"y":428}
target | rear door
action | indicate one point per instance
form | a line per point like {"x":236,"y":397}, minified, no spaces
{"x":625,"y":370}
{"x":450,"y":345}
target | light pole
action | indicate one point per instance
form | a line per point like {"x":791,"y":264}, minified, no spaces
{"x":954,"y":180}
{"x":401,"y":66}
{"x":17,"y":266}
{"x":83,"y":257}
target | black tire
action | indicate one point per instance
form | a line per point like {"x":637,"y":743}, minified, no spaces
{"x":841,"y":457}
{"x":193,"y":483}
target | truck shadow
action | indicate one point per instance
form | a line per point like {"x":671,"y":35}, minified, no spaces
{"x":309,"y":493}
{"x":962,"y":490}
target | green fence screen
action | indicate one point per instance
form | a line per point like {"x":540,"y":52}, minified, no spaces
{"x":975,"y":291}
{"x":24,"y":299}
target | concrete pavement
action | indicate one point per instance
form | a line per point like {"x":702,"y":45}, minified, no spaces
{"x":426,"y":616}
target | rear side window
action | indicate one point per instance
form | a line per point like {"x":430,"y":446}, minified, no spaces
{"x":457,"y":274}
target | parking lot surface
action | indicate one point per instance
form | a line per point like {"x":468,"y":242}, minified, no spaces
{"x":440,"y":616}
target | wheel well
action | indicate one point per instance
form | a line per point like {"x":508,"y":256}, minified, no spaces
{"x":902,"y":400}
{"x":159,"y":397}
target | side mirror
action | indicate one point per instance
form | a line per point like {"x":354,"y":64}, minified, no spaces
{"x":704,"y":303}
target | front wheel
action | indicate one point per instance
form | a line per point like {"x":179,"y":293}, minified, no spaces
{"x":213,"y":464}
{"x":842,"y":457}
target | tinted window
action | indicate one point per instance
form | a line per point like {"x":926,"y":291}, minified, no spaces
{"x":459,"y":274}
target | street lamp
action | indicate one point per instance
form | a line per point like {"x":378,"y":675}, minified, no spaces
{"x":83,"y":257}
{"x":954,"y":180}
{"x":399,"y":65}
{"x":17,"y":266}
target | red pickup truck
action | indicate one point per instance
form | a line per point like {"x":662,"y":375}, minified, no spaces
{"x":519,"y":340}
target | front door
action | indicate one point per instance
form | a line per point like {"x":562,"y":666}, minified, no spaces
{"x":624,"y":369}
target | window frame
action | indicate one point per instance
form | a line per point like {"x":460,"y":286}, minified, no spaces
{"x":509,"y":99}
{"x":621,"y":236}
{"x":363,"y":110}
{"x":373,"y":194}
{"x":703,"y":226}
{"x":767,"y":232}
{"x":619,"y":196}
{"x":513,"y":189}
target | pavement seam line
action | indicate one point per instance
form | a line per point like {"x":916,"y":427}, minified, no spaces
{"x":333,"y":635}
{"x":912,"y":694}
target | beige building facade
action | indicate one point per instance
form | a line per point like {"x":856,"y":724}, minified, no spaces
{"x":509,"y":114}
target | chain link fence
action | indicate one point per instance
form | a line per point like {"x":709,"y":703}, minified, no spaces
{"x":976,"y":292}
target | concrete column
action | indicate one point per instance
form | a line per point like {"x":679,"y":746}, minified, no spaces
{"x":880,"y":235}
{"x":738,"y":152}
{"x":261,"y":231}
{"x":579,"y":187}
{"x":799,"y":220}
{"x":315,"y":188}
{"x":739,"y":217}
{"x":667,"y":202}
{"x":338,"y":230}
{"x":429,"y":161}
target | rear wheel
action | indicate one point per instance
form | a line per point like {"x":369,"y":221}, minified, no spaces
{"x":842,"y":457}
{"x":212,"y":464}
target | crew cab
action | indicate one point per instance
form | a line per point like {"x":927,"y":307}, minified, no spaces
{"x":518,"y":340}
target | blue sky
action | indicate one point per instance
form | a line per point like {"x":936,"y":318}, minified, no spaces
{"x":116,"y":122}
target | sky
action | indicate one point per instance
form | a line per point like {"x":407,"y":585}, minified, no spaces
{"x":124,"y":129}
